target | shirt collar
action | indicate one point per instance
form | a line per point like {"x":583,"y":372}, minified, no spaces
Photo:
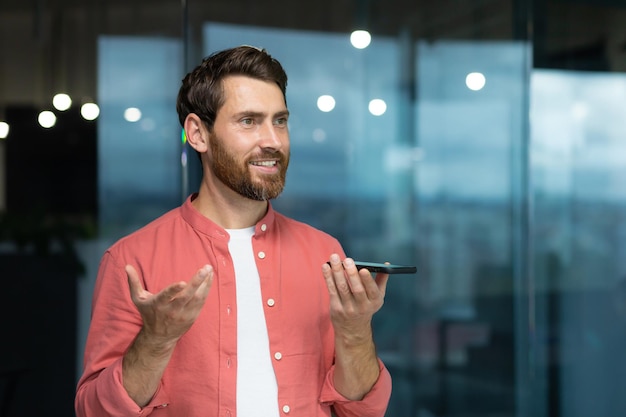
{"x":207,"y":226}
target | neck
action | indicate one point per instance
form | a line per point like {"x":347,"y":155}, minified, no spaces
{"x":227,"y":208}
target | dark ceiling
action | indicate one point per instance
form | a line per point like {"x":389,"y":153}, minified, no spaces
{"x":43,"y":38}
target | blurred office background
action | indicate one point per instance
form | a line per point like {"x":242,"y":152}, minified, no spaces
{"x":482,"y":140}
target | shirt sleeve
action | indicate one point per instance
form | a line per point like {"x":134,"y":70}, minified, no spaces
{"x":374,"y":404}
{"x":104,"y":396}
{"x":114,"y":324}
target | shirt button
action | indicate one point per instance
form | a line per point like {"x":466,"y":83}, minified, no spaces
{"x":263,"y":227}
{"x":278,"y":356}
{"x":262,"y":255}
{"x":228,"y":363}
{"x":270,"y":302}
{"x":286,"y":409}
{"x":227,"y":413}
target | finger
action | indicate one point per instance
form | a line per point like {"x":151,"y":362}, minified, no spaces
{"x":339,"y":277}
{"x":201,"y":283}
{"x":356,"y":279}
{"x":369,"y":283}
{"x":202,"y":277}
{"x":381,"y":282}
{"x":173,"y":293}
{"x":134,"y":284}
{"x":330,"y":270}
{"x":375,"y":287}
{"x":185,"y":292}
{"x":330,"y":281}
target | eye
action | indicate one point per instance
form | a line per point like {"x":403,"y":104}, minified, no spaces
{"x":247,"y":121}
{"x":281,"y":121}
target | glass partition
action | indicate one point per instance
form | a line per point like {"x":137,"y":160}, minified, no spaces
{"x":470,"y":118}
{"x":139,"y":164}
{"x":578,"y":170}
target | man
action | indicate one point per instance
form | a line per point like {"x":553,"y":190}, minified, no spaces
{"x":266,"y":327}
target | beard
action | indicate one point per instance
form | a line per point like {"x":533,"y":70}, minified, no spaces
{"x":238,"y":177}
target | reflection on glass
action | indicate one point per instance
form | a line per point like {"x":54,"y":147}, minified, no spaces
{"x":464,"y":340}
{"x":578,"y":157}
{"x":132,"y":114}
{"x":139,"y":169}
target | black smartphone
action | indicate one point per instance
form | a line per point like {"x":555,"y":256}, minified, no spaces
{"x":386,"y":268}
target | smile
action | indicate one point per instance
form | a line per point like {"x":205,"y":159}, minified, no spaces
{"x":264,"y":163}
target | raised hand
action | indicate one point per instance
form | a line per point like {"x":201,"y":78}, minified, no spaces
{"x":166,"y":317}
{"x":170,"y":313}
{"x":355,"y":296}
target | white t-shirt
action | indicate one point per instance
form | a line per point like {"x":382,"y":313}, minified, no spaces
{"x":257,"y":391}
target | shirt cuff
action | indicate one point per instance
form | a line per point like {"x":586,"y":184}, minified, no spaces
{"x":115,"y":400}
{"x":374,"y":403}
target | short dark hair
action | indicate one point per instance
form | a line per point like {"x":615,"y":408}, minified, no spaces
{"x":202,"y":90}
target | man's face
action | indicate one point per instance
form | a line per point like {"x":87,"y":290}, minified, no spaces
{"x":249,"y":145}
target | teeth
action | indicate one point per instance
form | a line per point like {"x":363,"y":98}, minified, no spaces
{"x":265,"y":163}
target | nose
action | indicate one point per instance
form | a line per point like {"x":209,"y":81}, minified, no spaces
{"x":272,"y":136}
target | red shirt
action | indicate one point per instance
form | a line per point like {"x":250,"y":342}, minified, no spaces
{"x":200,"y":379}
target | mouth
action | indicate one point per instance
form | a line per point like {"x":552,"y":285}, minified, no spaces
{"x":269,"y":164}
{"x":264,"y":163}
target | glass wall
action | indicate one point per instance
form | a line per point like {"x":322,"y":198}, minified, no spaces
{"x":578,"y":170}
{"x":482,"y":141}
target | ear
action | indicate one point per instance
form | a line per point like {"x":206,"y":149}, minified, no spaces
{"x":196,"y":132}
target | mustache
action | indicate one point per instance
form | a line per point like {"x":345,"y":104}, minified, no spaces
{"x":265,"y":154}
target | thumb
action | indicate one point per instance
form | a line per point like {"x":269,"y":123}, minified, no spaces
{"x":133,"y":282}
{"x":381,"y":281}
